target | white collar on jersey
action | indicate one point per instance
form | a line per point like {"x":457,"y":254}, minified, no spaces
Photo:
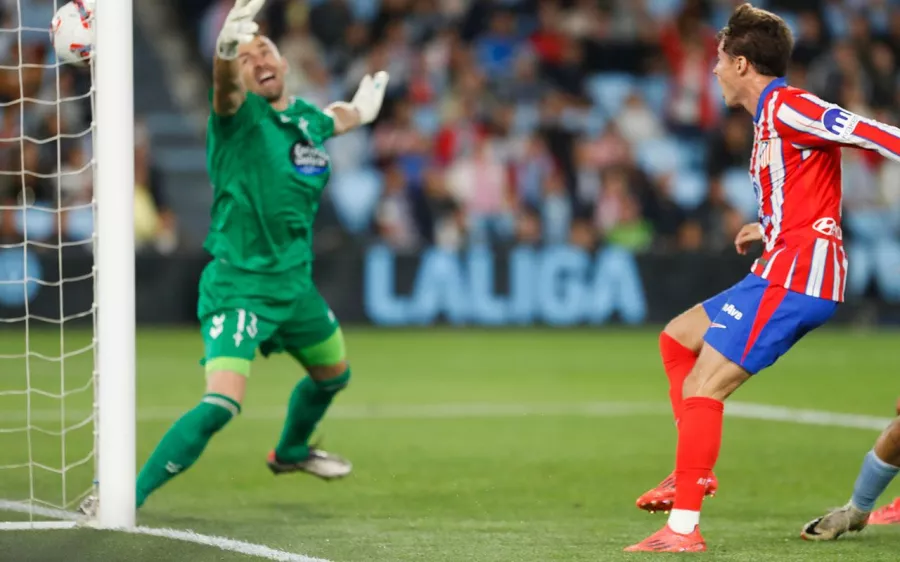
{"x":776,"y":83}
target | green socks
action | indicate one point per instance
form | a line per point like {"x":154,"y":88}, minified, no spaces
{"x":308,"y":404}
{"x":185,"y":441}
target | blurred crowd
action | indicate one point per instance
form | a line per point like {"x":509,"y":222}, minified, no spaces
{"x":46,"y":169}
{"x":579,"y":121}
{"x":506,"y":121}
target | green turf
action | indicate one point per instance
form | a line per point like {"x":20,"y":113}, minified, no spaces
{"x":475,"y":487}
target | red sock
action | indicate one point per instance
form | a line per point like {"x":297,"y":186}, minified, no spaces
{"x":678,"y":362}
{"x":699,"y":439}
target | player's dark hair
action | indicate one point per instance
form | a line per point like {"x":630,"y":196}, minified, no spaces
{"x":761,"y":36}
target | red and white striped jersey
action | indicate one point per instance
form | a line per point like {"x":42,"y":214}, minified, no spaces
{"x":796,"y":173}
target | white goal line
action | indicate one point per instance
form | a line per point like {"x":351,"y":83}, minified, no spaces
{"x":69,"y":520}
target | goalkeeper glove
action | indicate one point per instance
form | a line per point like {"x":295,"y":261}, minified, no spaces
{"x":239,"y":28}
{"x":370,"y":96}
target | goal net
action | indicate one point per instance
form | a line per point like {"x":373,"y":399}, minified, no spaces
{"x":56,"y":359}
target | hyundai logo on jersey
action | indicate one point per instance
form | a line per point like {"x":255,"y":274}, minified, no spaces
{"x":829,"y":227}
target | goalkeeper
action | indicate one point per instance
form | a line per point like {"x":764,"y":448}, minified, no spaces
{"x":268,"y":169}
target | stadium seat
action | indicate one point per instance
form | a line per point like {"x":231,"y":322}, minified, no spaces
{"x":663,"y":9}
{"x":877,"y":260}
{"x":661,"y":156}
{"x":887,"y":264}
{"x":350,"y":150}
{"x":609,"y":90}
{"x":655,"y":90}
{"x":36,"y":223}
{"x":590,"y":123}
{"x":527,"y":118}
{"x":365,"y":10}
{"x":739,"y":192}
{"x":427,"y":119}
{"x":791,"y":20}
{"x":836,"y":22}
{"x":355,"y":195}
{"x":720,"y":15}
{"x":694,"y":153}
{"x":868,"y":226}
{"x":862,"y":271}
{"x":413,"y":166}
{"x":689,"y":188}
{"x":79,"y":224}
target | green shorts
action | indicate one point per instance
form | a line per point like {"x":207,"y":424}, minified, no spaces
{"x":242,"y":312}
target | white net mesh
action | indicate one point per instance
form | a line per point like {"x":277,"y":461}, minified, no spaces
{"x":47,"y":311}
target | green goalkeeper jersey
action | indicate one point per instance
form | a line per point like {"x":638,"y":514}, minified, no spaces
{"x":268,"y":169}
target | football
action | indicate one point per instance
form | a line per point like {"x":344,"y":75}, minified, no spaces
{"x":72,"y":32}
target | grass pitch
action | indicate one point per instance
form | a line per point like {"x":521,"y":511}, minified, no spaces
{"x":475,"y":446}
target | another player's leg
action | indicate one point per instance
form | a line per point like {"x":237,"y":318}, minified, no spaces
{"x":325,"y":361}
{"x":761,"y":322}
{"x":880,"y":466}
{"x":186,"y":440}
{"x":230,"y":340}
{"x":679,"y":346}
{"x":713,"y":379}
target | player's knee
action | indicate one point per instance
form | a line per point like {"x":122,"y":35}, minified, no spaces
{"x":887,"y":447}
{"x":231,"y":384}
{"x":331,"y":378}
{"x":714,"y":376}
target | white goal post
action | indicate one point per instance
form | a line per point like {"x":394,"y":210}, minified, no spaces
{"x":51,"y":394}
{"x":114,"y":145}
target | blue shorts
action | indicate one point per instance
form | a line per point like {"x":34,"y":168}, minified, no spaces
{"x":754,"y":322}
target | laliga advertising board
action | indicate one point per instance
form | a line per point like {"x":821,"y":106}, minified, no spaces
{"x":557,"y":286}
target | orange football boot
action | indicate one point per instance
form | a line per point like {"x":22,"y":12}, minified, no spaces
{"x":667,"y":540}
{"x":886,"y":515}
{"x":662,"y":496}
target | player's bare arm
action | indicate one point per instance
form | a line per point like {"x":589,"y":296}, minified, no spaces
{"x":749,"y":234}
{"x":228,"y":92}
{"x":364,"y":107}
{"x":239,"y":28}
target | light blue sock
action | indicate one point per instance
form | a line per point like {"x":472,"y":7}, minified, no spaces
{"x":874,"y":477}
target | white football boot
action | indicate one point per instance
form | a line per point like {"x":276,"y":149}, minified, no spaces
{"x":834,"y":524}
{"x":326,"y":466}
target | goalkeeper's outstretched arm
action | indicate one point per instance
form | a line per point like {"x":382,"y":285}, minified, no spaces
{"x":228,"y":90}
{"x":364,"y":107}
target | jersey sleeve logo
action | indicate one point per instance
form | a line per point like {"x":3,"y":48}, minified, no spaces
{"x":839,"y":123}
{"x":309,"y":160}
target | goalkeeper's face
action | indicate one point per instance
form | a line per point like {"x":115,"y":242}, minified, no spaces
{"x":262,"y":68}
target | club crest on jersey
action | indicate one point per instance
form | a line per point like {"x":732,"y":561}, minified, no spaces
{"x":839,"y":122}
{"x":764,"y":154}
{"x":309,"y":160}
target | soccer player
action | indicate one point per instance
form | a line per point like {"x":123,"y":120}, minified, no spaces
{"x":880,"y":466}
{"x":268,"y":168}
{"x":794,"y":287}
